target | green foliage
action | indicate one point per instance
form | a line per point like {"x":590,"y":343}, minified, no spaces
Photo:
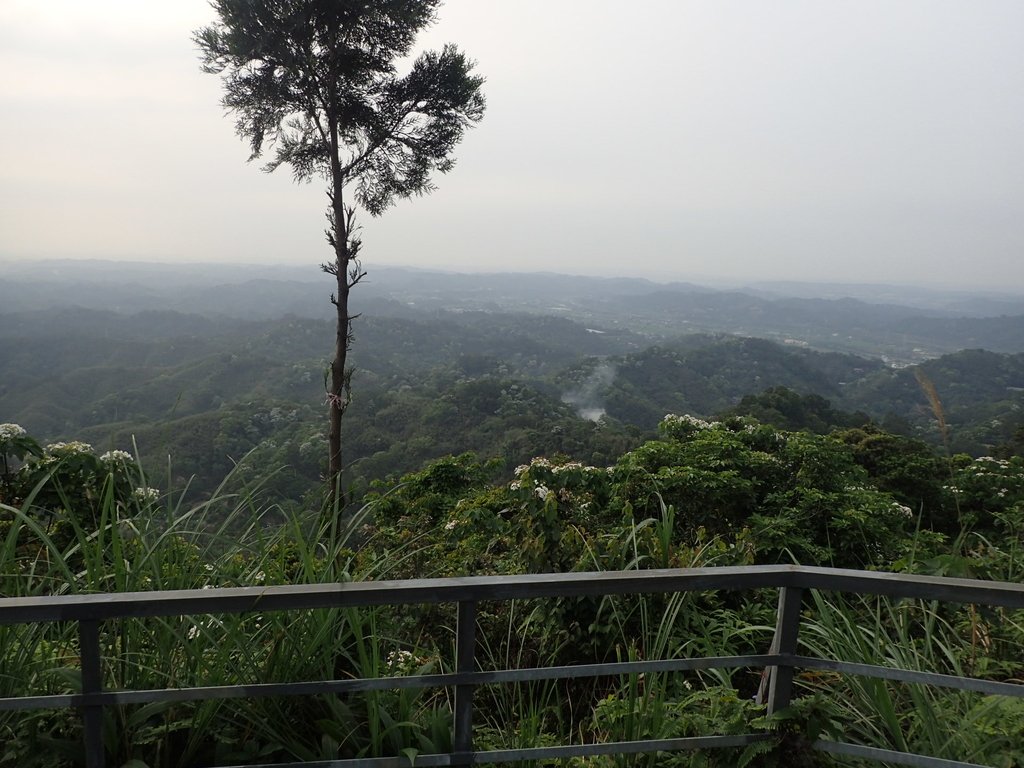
{"x":640,"y":709}
{"x":710,"y":377}
{"x":783,"y":408}
{"x":69,"y":489}
{"x":795,"y":728}
{"x":906,"y":468}
{"x":908,"y":717}
{"x":704,"y":494}
{"x":991,"y":491}
{"x":785,"y":495}
{"x":305,"y":77}
{"x":213,"y":390}
{"x":231,"y":539}
{"x":15,"y":446}
{"x":981,"y":392}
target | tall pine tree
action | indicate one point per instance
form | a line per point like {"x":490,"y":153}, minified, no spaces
{"x":314,"y":85}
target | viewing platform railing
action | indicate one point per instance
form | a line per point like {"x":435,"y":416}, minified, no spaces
{"x":90,"y":611}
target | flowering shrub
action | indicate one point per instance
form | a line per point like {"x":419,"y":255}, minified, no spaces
{"x":788,"y":494}
{"x":13,"y":437}
{"x":990,"y":492}
{"x":66,"y":482}
{"x":559,"y":502}
{"x":15,"y":445}
{"x":675,"y":426}
{"x":578,"y":488}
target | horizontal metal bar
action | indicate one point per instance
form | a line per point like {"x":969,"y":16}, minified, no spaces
{"x":60,"y":701}
{"x":16,"y":610}
{"x":363,"y":593}
{"x":911,"y":676}
{"x":625,"y":668}
{"x":620,"y":748}
{"x":941,"y":588}
{"x":100,"y":607}
{"x":889,"y":756}
{"x":320,"y":687}
{"x":538,"y":753}
{"x":266,"y":690}
{"x":359,"y":762}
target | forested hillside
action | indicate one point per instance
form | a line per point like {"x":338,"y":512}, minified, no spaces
{"x":208,"y":389}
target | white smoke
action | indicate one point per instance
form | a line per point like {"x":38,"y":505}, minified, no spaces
{"x":586,"y":398}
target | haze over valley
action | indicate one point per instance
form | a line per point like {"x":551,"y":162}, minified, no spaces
{"x":210,"y":362}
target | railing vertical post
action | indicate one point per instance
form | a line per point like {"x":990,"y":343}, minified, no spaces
{"x":465,"y":661}
{"x":787,"y":626}
{"x":92,"y":683}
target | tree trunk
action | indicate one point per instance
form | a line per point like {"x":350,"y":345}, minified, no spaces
{"x":337,"y":396}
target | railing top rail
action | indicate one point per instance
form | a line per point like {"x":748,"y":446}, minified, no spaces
{"x":942,"y":588}
{"x":516,"y":587}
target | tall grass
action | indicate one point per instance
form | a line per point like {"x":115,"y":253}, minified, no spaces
{"x":236,"y":538}
{"x":910,"y":635}
{"x":230,"y":539}
{"x":625,"y":628}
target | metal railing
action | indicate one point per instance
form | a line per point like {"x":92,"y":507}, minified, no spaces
{"x":89,"y":611}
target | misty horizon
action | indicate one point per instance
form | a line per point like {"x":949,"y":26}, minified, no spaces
{"x":241,"y":271}
{"x":839,"y":143}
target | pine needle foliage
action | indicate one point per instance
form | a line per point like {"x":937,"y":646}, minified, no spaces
{"x":315,"y":85}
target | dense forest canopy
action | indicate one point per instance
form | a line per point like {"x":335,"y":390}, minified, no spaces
{"x":512,"y":373}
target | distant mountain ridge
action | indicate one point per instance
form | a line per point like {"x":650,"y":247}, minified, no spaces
{"x":428,"y":380}
{"x":165,"y":281}
{"x":932,"y":323}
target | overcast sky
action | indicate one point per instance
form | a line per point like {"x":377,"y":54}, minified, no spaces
{"x":853,"y":140}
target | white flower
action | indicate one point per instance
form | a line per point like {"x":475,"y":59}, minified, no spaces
{"x":117,"y":457}
{"x":399,"y":659}
{"x":72,"y":448}
{"x":905,"y":511}
{"x":542,"y":492}
{"x":686,"y":419}
{"x":145,"y":495}
{"x":567,"y":466}
{"x":10,"y":431}
{"x":450,"y":525}
{"x":193,"y":632}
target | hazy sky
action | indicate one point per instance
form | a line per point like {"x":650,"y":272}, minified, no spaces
{"x":851,"y":140}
